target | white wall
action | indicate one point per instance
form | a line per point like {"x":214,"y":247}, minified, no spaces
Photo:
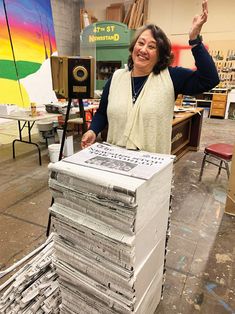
{"x":175,"y":17}
{"x":66,"y":16}
{"x":98,"y":7}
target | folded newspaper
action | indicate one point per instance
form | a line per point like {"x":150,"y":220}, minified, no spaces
{"x":110,"y":215}
{"x":115,"y":159}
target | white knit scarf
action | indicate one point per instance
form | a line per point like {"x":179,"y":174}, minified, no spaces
{"x":146,"y":125}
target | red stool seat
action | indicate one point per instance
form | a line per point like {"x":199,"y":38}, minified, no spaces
{"x":222,"y":153}
{"x":221,"y":150}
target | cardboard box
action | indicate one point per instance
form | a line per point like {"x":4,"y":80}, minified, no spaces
{"x":115,"y":12}
{"x":7,"y":109}
{"x":230,"y":202}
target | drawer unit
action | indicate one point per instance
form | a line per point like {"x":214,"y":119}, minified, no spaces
{"x":219,"y":97}
{"x":218,"y":105}
{"x":217,"y":112}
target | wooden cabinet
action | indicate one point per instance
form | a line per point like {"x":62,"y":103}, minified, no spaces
{"x":214,"y":102}
{"x":186,"y":132}
{"x":218,"y":105}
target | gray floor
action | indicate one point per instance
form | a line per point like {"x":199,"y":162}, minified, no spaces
{"x":200,"y":261}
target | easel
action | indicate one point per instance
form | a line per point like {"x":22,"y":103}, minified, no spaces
{"x":84,"y":128}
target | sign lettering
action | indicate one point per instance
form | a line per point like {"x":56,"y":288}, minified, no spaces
{"x":94,"y":38}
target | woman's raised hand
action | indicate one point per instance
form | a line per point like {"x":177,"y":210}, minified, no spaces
{"x":198,"y":21}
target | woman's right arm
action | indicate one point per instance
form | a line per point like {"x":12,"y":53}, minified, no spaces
{"x":99,"y":120}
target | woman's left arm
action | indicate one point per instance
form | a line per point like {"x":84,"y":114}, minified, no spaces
{"x":205,"y":77}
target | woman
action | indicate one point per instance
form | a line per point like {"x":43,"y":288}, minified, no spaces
{"x":137,"y":103}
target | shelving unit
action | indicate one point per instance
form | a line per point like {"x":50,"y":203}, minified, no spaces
{"x":189,"y":101}
{"x":104,"y":69}
{"x":204,"y":100}
{"x":225,"y":64}
{"x":216,"y":99}
{"x":226,"y":71}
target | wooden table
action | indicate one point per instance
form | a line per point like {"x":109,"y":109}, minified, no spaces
{"x":186,"y":131}
{"x":27,"y":121}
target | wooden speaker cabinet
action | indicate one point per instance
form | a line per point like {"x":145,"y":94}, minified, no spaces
{"x":73,"y":77}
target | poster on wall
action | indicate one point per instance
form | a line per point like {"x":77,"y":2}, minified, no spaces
{"x":27,"y":40}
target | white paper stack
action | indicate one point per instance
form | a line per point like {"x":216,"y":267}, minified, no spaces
{"x":110,"y":216}
{"x":34,"y":288}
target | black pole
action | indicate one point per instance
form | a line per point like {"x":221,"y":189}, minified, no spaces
{"x":82,"y":115}
{"x":60,"y":156}
{"x":12,"y":49}
{"x":65,"y":128}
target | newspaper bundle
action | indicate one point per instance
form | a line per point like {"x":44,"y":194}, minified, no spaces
{"x":110,"y":215}
{"x":33,"y":288}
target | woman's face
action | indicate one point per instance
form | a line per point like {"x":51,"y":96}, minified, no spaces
{"x":145,"y":52}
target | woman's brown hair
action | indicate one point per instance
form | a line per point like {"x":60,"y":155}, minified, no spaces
{"x":165,"y":55}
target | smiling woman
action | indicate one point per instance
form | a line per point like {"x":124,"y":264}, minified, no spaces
{"x":137,"y":103}
{"x":144,"y":54}
{"x":152,"y":44}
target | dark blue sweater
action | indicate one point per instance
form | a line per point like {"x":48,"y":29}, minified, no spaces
{"x":185,"y":81}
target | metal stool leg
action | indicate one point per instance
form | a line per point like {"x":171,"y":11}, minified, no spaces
{"x":202,"y":167}
{"x":220,"y":167}
{"x":227,"y":168}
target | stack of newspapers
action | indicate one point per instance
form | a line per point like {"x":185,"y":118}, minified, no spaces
{"x":110,"y":216}
{"x":34,"y":287}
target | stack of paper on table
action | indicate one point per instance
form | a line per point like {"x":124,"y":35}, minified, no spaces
{"x":110,"y":214}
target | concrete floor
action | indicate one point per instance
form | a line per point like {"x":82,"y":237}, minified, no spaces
{"x":200,"y":263}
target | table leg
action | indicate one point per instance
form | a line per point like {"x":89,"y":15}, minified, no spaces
{"x":29,"y":130}
{"x":26,"y":142}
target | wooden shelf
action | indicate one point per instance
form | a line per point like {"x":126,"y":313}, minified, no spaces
{"x":220,"y":90}
{"x":204,"y":100}
{"x":106,"y":68}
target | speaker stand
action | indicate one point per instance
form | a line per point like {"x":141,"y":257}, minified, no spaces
{"x":84,"y":128}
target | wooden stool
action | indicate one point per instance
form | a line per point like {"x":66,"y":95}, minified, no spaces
{"x":221,"y":152}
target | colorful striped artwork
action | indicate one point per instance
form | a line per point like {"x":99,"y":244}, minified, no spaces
{"x":27,"y":40}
